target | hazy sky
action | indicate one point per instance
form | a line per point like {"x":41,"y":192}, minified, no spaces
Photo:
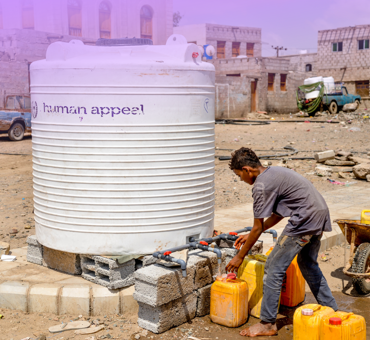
{"x":289,"y":23}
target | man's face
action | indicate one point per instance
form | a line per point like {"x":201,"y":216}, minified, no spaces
{"x":245,"y":175}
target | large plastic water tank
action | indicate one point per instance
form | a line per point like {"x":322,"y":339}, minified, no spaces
{"x":313,"y":80}
{"x":123,"y":147}
{"x":329,"y":84}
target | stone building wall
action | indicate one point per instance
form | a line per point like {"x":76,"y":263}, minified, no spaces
{"x":349,"y":65}
{"x":52,"y":16}
{"x":18,"y":49}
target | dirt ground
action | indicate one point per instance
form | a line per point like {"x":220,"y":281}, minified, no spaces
{"x":16,"y":219}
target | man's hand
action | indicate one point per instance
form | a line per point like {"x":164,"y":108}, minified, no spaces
{"x":234,"y":264}
{"x":240,"y":241}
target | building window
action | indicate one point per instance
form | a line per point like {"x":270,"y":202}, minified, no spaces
{"x":362,"y":88}
{"x":27,"y":15}
{"x":146,"y":22}
{"x":308,"y":68}
{"x":221,"y":49}
{"x":74,"y":18}
{"x":235,"y":49}
{"x":363,"y":44}
{"x":105,"y":24}
{"x":233,"y":75}
{"x":283,"y":82}
{"x":270,"y":82}
{"x":250,"y":49}
{"x":338,"y":47}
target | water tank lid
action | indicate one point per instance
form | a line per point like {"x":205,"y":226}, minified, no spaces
{"x":307,"y":311}
{"x":124,"y":42}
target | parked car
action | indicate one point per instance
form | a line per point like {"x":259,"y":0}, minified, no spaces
{"x":15,"y":118}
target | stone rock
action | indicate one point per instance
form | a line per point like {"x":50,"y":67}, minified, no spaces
{"x":4,"y":248}
{"x":324,"y":156}
{"x":323,"y":171}
{"x":344,"y":154}
{"x":341,"y":169}
{"x":350,"y":107}
{"x":345,"y":175}
{"x":334,"y":162}
{"x":359,"y":160}
{"x":368,"y":178}
{"x":361,"y":170}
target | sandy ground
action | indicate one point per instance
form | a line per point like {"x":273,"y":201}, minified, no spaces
{"x":16,"y":219}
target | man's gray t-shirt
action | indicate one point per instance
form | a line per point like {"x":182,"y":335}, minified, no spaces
{"x":284,"y":192}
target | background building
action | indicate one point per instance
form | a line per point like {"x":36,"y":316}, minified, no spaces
{"x":229,"y":41}
{"x":28,"y":27}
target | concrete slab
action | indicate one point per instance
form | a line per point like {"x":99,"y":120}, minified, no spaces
{"x":75,"y":300}
{"x":104,"y":301}
{"x":43,"y":298}
{"x":128,"y":304}
{"x":13,"y":295}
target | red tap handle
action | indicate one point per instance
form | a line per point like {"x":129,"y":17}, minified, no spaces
{"x":167,"y":253}
{"x":204,"y":243}
{"x":195,"y":55}
{"x":233,"y":233}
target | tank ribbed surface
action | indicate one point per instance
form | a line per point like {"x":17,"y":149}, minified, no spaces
{"x":127,"y":185}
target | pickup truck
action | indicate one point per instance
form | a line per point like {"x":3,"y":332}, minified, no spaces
{"x":335,"y":101}
{"x":15,"y":118}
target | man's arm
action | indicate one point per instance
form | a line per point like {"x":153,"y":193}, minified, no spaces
{"x":271,"y":221}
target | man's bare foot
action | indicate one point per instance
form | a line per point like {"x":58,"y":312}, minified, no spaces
{"x":260,"y":329}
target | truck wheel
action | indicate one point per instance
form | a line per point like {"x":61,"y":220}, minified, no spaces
{"x":361,"y":264}
{"x":357,"y":102}
{"x":333,"y":108}
{"x":16,"y":132}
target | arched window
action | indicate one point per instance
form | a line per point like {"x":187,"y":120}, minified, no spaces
{"x":146,"y":22}
{"x":74,"y":18}
{"x":105,"y":20}
{"x":27,"y":15}
{"x":308,"y":67}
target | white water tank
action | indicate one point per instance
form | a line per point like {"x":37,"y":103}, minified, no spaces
{"x":123,"y":147}
{"x":313,"y":80}
{"x":329,"y":84}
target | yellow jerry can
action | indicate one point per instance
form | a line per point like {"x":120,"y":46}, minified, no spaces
{"x":365,"y":217}
{"x":307,"y":321}
{"x":229,"y":301}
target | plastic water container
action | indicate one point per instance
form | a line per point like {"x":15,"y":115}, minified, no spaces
{"x":329,"y":84}
{"x":293,"y":289}
{"x":343,"y":326}
{"x":251,"y":271}
{"x":229,"y":301}
{"x":365,"y":217}
{"x":307,"y":321}
{"x":313,"y":80}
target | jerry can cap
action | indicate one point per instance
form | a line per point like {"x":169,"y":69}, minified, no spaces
{"x":231,"y":276}
{"x":335,"y":321}
{"x":307,"y":311}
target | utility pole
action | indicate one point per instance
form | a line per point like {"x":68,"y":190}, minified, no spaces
{"x":277,"y":48}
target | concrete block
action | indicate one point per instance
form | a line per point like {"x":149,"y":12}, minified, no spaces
{"x":75,"y":300}
{"x":324,"y":156}
{"x":162,"y":318}
{"x":205,"y":265}
{"x":203,"y":300}
{"x":107,"y":272}
{"x":157,"y":285}
{"x":13,"y":295}
{"x":34,"y":250}
{"x":4,"y":248}
{"x":43,"y":298}
{"x":105,"y":301}
{"x":59,"y":260}
{"x":112,"y":275}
